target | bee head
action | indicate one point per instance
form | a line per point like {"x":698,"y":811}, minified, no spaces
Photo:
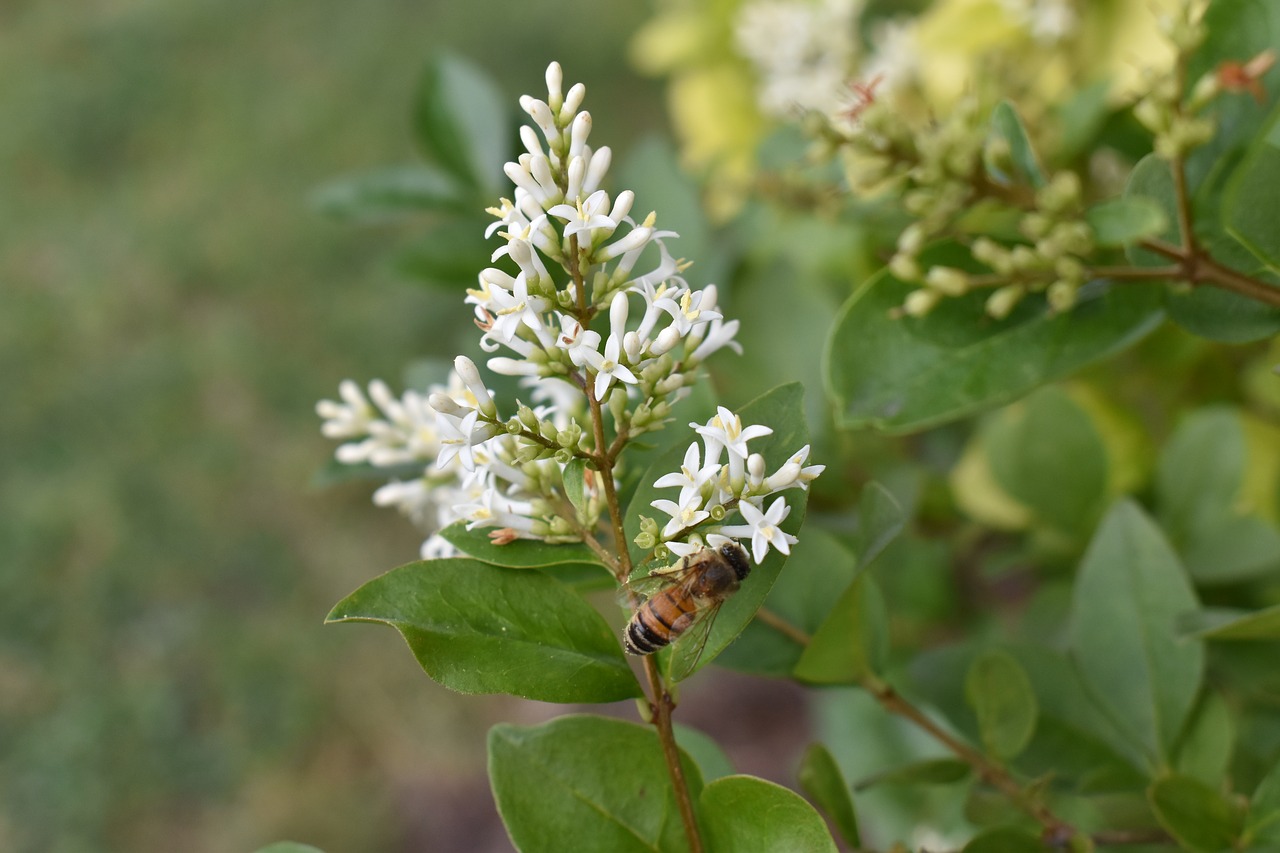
{"x":736,"y":557}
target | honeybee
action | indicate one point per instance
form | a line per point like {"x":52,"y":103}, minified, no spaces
{"x":689,"y":592}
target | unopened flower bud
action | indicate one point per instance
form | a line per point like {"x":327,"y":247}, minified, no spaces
{"x":470,"y":376}
{"x":1061,"y":295}
{"x":920,"y":302}
{"x":904,"y":268}
{"x":564,"y":456}
{"x":1004,"y":300}
{"x":1035,"y":225}
{"x":948,"y":280}
{"x":446,"y":405}
{"x":911,"y":240}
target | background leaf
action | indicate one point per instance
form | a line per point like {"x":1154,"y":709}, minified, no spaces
{"x":389,"y":194}
{"x":462,"y":123}
{"x":743,"y":814}
{"x":1006,"y":124}
{"x":520,"y":554}
{"x":1264,"y":808}
{"x":1129,"y":590}
{"x":600,"y":782}
{"x":880,"y":520}
{"x":1005,"y":839}
{"x":477,"y":628}
{"x":903,"y":375}
{"x":1124,"y":221}
{"x":1195,"y":814}
{"x":1002,"y":698}
{"x":852,"y":641}
{"x":1227,"y":624}
{"x":822,"y":781}
{"x":932,"y":771}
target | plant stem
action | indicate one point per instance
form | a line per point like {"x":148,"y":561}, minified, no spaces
{"x":660,"y":701}
{"x":1198,"y":268}
{"x":991,"y":772}
{"x":782,"y":626}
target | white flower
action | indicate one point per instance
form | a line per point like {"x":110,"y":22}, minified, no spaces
{"x":793,"y":474}
{"x":685,"y":514}
{"x":457,"y":437}
{"x":763,"y":528}
{"x":726,"y":432}
{"x":692,"y":477}
{"x":590,"y":216}
{"x":897,"y":60}
{"x":608,"y":367}
{"x":348,"y":419}
{"x":576,"y":340}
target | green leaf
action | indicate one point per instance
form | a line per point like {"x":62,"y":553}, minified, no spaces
{"x":1005,"y":839}
{"x":1199,"y":483}
{"x":461,"y":122}
{"x":1006,"y":124}
{"x":586,"y":783}
{"x":1000,"y":693}
{"x":743,"y":814}
{"x":288,"y":847}
{"x":908,"y":374}
{"x":1195,"y":814}
{"x":1129,"y":590}
{"x":1046,"y":453}
{"x":1250,"y":206}
{"x":449,"y":255}
{"x":880,"y":520}
{"x":1264,"y":808}
{"x":574,"y":475}
{"x":852,"y":641}
{"x":520,"y":554}
{"x":822,"y":781}
{"x":932,"y":771}
{"x":1227,"y":624}
{"x":1206,"y":749}
{"x":710,"y":758}
{"x":388,"y":194}
{"x":817,"y":572}
{"x":1125,"y":221}
{"x":782,"y":409}
{"x":477,"y":628}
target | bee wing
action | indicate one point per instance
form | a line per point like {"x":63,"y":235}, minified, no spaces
{"x":648,"y":585}
{"x":687,"y":650}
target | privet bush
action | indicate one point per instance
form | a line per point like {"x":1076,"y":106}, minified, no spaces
{"x":1066,"y":581}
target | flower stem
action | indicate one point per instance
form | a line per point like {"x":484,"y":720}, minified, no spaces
{"x":660,"y":701}
{"x":1197,"y":268}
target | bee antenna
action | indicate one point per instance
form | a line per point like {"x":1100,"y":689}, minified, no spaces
{"x":737,"y":558}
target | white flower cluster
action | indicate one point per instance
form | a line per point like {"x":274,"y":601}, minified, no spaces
{"x":574,"y":251}
{"x":560,"y":214}
{"x":802,"y":51}
{"x":711,"y":489}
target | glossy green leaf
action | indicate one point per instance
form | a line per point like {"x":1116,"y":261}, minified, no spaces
{"x":586,"y":783}
{"x":933,"y":771}
{"x":817,"y":572}
{"x":702,"y":748}
{"x":448,"y":255}
{"x":820,"y":778}
{"x":1198,"y":486}
{"x":1229,"y":624}
{"x":1005,"y":839}
{"x":880,"y":520}
{"x":289,"y":847}
{"x":781,"y":409}
{"x":1264,"y":808}
{"x":1194,"y":814}
{"x":1006,"y":124}
{"x":574,"y":475}
{"x":1210,"y":739}
{"x":461,"y":122}
{"x":1124,"y":221}
{"x":477,"y":628}
{"x":1046,"y":453}
{"x":388,"y":194}
{"x":903,"y":375}
{"x":1250,"y":206}
{"x":852,"y":641}
{"x":520,"y":554}
{"x":1001,"y":696}
{"x":1129,"y":591}
{"x":743,"y":814}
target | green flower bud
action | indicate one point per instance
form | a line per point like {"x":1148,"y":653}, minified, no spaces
{"x":920,"y":302}
{"x":911,"y":240}
{"x":1035,"y":225}
{"x":904,"y":268}
{"x":1004,"y":300}
{"x":1061,"y":295}
{"x":948,"y":280}
{"x":1152,"y":115}
{"x":1070,"y":269}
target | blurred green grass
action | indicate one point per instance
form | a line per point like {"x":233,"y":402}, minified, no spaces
{"x":169,"y":312}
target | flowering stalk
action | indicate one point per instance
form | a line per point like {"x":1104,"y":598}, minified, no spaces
{"x":571,"y":256}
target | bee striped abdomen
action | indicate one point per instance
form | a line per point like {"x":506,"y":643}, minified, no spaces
{"x":658,"y":621}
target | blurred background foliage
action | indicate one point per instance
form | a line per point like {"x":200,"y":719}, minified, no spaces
{"x":170,"y":309}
